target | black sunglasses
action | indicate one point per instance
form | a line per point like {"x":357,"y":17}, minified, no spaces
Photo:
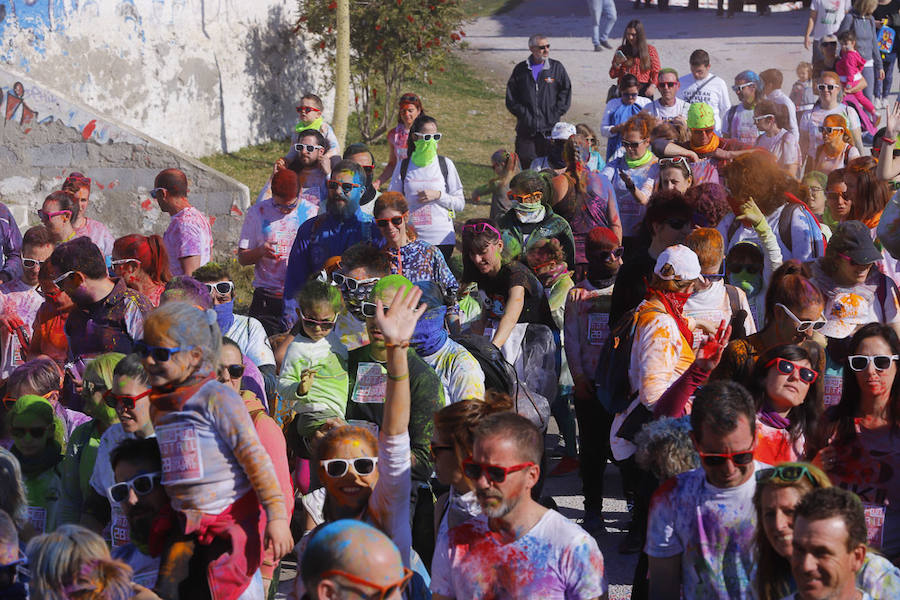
{"x":234,"y":371}
{"x":751,"y":268}
{"x":34,"y":432}
{"x":787,"y":367}
{"x":395,"y":221}
{"x":158,"y":353}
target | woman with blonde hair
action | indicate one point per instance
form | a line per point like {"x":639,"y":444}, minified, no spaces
{"x":73,"y":563}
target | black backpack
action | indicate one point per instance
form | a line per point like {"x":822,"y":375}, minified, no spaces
{"x":442,"y":163}
{"x":498,"y":374}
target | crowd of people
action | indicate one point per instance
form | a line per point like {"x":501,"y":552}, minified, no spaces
{"x":709,"y":302}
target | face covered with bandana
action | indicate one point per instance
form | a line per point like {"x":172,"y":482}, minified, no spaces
{"x":528,"y":205}
{"x":745,"y":270}
{"x":344,"y":192}
{"x":426,"y":143}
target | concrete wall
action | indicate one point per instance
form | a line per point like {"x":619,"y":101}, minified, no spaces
{"x":45,"y":136}
{"x":203,"y":76}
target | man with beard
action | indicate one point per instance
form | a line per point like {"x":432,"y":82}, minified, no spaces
{"x":330,"y":233}
{"x":309,"y":161}
{"x":361,"y":155}
{"x":108,"y":315}
{"x":362,"y":265}
{"x":516,"y":548}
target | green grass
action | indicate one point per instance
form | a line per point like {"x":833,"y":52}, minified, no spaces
{"x":481,"y":8}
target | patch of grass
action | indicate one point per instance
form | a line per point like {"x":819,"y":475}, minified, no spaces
{"x":482,"y":8}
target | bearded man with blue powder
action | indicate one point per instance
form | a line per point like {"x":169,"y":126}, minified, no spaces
{"x":330,"y":233}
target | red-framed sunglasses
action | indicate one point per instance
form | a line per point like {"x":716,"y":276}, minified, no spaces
{"x":741,"y":457}
{"x":384,"y":591}
{"x":495,"y":473}
{"x":113,"y":400}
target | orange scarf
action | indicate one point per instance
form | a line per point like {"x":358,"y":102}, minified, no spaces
{"x":872,"y":222}
{"x":708,"y":148}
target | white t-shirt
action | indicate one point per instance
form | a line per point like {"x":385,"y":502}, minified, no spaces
{"x":250,"y":336}
{"x":829,"y":14}
{"x":784,"y":145}
{"x":631,"y":212}
{"x":433,"y":220}
{"x":780,"y":97}
{"x":713,"y":530}
{"x":812,"y":120}
{"x":679,"y":109}
{"x":555,"y":559}
{"x":740,"y":125}
{"x":713,"y":305}
{"x":460,"y":373}
{"x":714,"y":93}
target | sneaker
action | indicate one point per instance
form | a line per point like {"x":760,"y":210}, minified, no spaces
{"x":632,"y":543}
{"x":598,"y":48}
{"x":564,"y":467}
{"x":606,"y":44}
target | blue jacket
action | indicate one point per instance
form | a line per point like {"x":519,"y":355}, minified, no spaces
{"x":10,"y":244}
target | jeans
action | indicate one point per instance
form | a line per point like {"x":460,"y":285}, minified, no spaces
{"x":883,"y":87}
{"x":603,"y":13}
{"x":869,"y":75}
{"x":561,"y":410}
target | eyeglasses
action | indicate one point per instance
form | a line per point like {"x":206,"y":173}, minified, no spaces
{"x":142,"y":485}
{"x":480,"y":228}
{"x":307,"y":147}
{"x":786,"y":473}
{"x":742,"y":457}
{"x":157,"y":193}
{"x":523,"y":198}
{"x":350,"y":283}
{"x":429,"y":136}
{"x":495,"y":473}
{"x":159,"y":353}
{"x":409,"y":98}
{"x":665,"y":163}
{"x":667,"y":84}
{"x":826,"y":86}
{"x":338,"y":467}
{"x":435,"y":448}
{"x":31,"y":263}
{"x":802,"y":325}
{"x":632,"y":145}
{"x":830,"y":130}
{"x":383,"y":591}
{"x":303,"y":109}
{"x":395,"y":221}
{"x":787,"y":367}
{"x":861,"y":362}
{"x":46,"y":216}
{"x":369,"y":309}
{"x":127,"y":401}
{"x":814,"y":189}
{"x":678,"y":223}
{"x":347,"y":187}
{"x":739,"y":86}
{"x":751,"y":268}
{"x":317,"y":323}
{"x":223,"y":288}
{"x":630,"y":95}
{"x":63,"y":277}
{"x":762,"y":117}
{"x":34,"y":432}
{"x":235,"y":371}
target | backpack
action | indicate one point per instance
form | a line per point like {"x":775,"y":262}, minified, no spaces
{"x":784,"y":227}
{"x":738,"y":314}
{"x":498,"y":374}
{"x":611,"y":379}
{"x":442,"y":163}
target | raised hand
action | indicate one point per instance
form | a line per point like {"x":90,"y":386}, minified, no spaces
{"x":710,"y":353}
{"x":750,"y":213}
{"x":398,"y":324}
{"x":893,"y":121}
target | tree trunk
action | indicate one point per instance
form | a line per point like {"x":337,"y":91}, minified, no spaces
{"x":342,"y":72}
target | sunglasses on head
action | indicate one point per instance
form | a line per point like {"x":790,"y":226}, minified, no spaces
{"x":761,"y":118}
{"x":113,"y":400}
{"x":429,"y":136}
{"x":317,"y":323}
{"x":34,"y":432}
{"x":396,"y":221}
{"x":739,"y":86}
{"x":664,"y":163}
{"x":826,"y":86}
{"x":351,"y":284}
{"x":223,"y":288}
{"x":31,"y":263}
{"x":307,"y":147}
{"x":78,"y":179}
{"x":861,"y":362}
{"x":235,"y":371}
{"x":495,"y":473}
{"x":409,"y":98}
{"x":159,"y":353}
{"x":480,"y":228}
{"x":802,"y":325}
{"x":303,"y":109}
{"x":786,"y":473}
{"x":338,"y":467}
{"x":742,"y":457}
{"x":632,"y":145}
{"x":344,"y":185}
{"x":369,"y":309}
{"x":787,"y":367}
{"x":142,"y":485}
{"x":46,"y":216}
{"x":383,"y":591}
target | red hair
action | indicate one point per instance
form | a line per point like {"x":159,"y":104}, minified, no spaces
{"x":642,"y":122}
{"x":149,"y":251}
{"x":285,"y":184}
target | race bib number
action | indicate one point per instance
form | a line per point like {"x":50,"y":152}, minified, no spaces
{"x":371,"y":383}
{"x":37,"y":516}
{"x":875,"y":514}
{"x":180,"y":449}
{"x":422,"y":217}
{"x":833,"y":386}
{"x":598,"y":328}
{"x":119,"y":527}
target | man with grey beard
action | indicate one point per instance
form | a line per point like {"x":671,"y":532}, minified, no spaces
{"x":516,"y":548}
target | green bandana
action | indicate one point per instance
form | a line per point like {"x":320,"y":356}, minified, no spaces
{"x":425,"y":152}
{"x":302,"y":126}
{"x":639,"y":162}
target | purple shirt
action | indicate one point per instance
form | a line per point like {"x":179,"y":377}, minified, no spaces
{"x":535,"y":68}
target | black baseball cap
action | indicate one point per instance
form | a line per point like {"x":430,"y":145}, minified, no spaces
{"x":854,"y":240}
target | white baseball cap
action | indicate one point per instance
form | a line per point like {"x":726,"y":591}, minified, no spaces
{"x":847,"y":311}
{"x":684,"y":262}
{"x":562,"y":131}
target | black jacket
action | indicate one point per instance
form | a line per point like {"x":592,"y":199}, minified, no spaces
{"x":538,"y":106}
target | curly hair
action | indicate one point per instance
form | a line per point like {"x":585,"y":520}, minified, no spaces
{"x":544,"y":251}
{"x":643,"y":123}
{"x":709,"y":200}
{"x":757,"y":175}
{"x":665,"y":449}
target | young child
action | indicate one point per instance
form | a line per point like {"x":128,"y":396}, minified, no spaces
{"x":505,"y":165}
{"x":37,"y":435}
{"x":313,"y":377}
{"x":596,"y":163}
{"x":803,"y":93}
{"x":849,"y":67}
{"x":216,"y":472}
